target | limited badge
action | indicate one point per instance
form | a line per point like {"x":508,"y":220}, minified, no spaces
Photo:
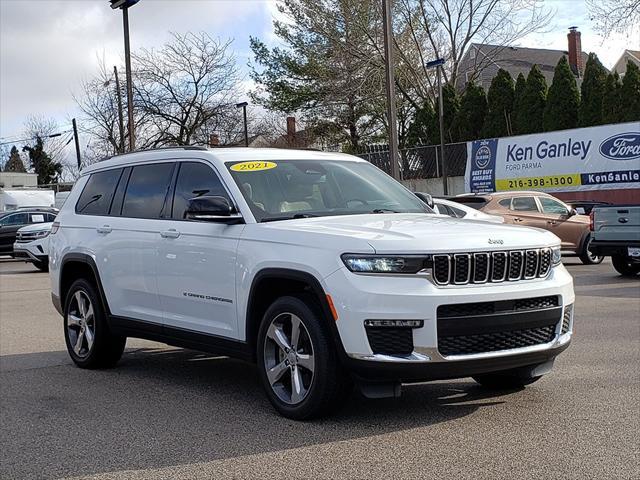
{"x":253,"y":166}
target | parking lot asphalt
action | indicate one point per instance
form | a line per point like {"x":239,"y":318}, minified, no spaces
{"x":172,"y":413}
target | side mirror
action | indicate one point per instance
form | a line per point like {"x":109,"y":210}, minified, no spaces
{"x":425,"y":197}
{"x":573,"y":212}
{"x":211,"y":208}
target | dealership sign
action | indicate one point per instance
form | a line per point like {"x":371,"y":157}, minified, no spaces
{"x":595,"y":158}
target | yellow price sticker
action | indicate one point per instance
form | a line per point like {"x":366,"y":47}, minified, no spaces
{"x":253,"y":166}
{"x":552,"y":181}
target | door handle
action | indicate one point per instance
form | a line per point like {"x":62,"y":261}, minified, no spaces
{"x":551,"y":222}
{"x":104,"y":229}
{"x":517,"y":219}
{"x":171,"y":233}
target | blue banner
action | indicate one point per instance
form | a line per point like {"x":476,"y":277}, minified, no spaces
{"x":483,"y":165}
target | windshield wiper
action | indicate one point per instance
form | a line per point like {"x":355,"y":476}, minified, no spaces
{"x":290,"y":217}
{"x":384,"y":210}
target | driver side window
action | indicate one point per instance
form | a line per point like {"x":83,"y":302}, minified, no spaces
{"x":524,"y":204}
{"x":195,"y":179}
{"x":553,"y":207}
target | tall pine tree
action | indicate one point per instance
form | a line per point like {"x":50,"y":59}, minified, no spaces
{"x":612,"y":99}
{"x":499,"y":105}
{"x":517,"y":118}
{"x":14,"y":164}
{"x":533,"y":102}
{"x":630,"y":94}
{"x":473,"y":109}
{"x":592,"y":92}
{"x":563,"y":99}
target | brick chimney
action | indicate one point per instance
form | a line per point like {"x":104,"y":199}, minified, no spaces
{"x":576,"y":61}
{"x":214,"y":140}
{"x":291,"y":131}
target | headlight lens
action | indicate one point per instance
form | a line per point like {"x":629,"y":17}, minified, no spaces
{"x":385,"y":263}
{"x":42,"y":233}
{"x":556,"y":257}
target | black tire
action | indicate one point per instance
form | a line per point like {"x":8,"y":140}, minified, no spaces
{"x":105,"y":349}
{"x":42,"y":266}
{"x":624,"y":266}
{"x":328,"y":383}
{"x":587,"y":257}
{"x":502,"y":381}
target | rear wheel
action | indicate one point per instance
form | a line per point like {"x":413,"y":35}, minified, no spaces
{"x":589,"y":258}
{"x":297,"y":360}
{"x":624,"y":265}
{"x":89,"y":341}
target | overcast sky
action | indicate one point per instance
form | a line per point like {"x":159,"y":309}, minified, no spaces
{"x":48,"y":46}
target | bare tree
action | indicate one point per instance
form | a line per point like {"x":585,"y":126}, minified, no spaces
{"x":188,"y":84}
{"x":54,"y":138}
{"x":615,"y":16}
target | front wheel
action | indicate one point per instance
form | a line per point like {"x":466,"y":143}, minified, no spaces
{"x":297,"y":360}
{"x":498,"y":381}
{"x":624,"y":265}
{"x":588,"y":257}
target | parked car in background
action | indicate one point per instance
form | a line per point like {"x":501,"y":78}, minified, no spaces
{"x":540,"y":210}
{"x":32,"y":244}
{"x":616,"y":233}
{"x":460,"y":210}
{"x":584,"y":207}
{"x":11,"y":222}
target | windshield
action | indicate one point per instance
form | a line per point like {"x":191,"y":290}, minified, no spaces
{"x":286,"y":189}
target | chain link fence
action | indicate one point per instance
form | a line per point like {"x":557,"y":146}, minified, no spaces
{"x":420,"y":162}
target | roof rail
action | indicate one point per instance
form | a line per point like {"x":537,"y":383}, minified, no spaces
{"x":175,"y":147}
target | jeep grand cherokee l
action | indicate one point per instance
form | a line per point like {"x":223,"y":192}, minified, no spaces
{"x":318,"y":267}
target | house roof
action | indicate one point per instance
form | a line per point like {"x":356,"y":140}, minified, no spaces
{"x":523,"y":58}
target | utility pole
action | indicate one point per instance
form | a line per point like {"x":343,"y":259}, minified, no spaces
{"x":243,"y":105}
{"x":77,"y":141}
{"x":120,"y":115}
{"x":445,"y":187}
{"x":391,"y":90}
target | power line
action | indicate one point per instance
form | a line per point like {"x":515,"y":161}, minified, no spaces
{"x":53,"y":135}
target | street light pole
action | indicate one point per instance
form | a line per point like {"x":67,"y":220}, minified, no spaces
{"x":445,"y":187}
{"x":120,"y":115}
{"x":77,"y":141}
{"x":124,"y":6}
{"x":243,"y":105}
{"x":390,"y":88}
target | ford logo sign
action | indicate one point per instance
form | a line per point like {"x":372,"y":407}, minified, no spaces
{"x":624,"y":146}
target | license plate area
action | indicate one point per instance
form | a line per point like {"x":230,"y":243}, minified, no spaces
{"x":633,"y":251}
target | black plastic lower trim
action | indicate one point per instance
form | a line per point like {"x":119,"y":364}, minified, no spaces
{"x":56,"y":303}
{"x":179,"y":337}
{"x":370,"y":371}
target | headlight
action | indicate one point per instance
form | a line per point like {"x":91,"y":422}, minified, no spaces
{"x":42,"y":233}
{"x":556,"y":257}
{"x":386,"y":263}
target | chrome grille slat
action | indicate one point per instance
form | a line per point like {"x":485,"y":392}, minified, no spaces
{"x":494,"y":267}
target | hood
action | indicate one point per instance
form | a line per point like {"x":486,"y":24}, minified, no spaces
{"x":420,"y":233}
{"x":36,"y":227}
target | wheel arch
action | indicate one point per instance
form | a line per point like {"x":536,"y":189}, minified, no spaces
{"x":80,"y":265}
{"x":271,"y":283}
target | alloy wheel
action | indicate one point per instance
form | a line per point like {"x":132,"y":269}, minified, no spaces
{"x":288,"y":358}
{"x":81,"y":324}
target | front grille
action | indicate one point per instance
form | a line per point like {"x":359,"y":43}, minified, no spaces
{"x":566,"y":319}
{"x":502,"y":306}
{"x":537,"y":303}
{"x":390,"y":340}
{"x":492,"y":342}
{"x":26,"y":237}
{"x":464,"y":268}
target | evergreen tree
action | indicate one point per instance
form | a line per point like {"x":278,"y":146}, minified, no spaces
{"x":14,"y":164}
{"x":592,"y":92}
{"x":563,"y":100}
{"x":450,"y":107}
{"x":516,"y":118}
{"x":612,"y":101}
{"x":630,"y":94}
{"x":499,"y":105}
{"x":418,"y":132}
{"x":533,"y":102}
{"x":473,"y":109}
{"x":47,"y":170}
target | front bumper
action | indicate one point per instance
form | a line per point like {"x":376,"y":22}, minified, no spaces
{"x":361,"y":297}
{"x":29,"y":253}
{"x":608,"y":248}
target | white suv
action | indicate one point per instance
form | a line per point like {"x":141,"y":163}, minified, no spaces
{"x":318,"y":267}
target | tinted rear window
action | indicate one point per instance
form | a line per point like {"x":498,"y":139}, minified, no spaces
{"x":146,"y":191}
{"x":98,"y":193}
{"x":473,"y":202}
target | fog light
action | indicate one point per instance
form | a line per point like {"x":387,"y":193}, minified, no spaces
{"x":394,"y":323}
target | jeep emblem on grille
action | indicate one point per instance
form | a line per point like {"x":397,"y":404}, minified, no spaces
{"x":496,"y":241}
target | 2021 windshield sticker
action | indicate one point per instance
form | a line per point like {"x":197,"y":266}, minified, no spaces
{"x":253,"y":166}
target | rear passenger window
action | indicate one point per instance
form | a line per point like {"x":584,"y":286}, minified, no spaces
{"x":194,"y":180}
{"x":146,"y":191}
{"x":524,"y":204}
{"x":505,"y":202}
{"x":98,"y":192}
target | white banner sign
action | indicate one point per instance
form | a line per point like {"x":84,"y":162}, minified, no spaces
{"x":594,"y":158}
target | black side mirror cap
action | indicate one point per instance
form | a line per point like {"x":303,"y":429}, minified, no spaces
{"x":211,"y":208}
